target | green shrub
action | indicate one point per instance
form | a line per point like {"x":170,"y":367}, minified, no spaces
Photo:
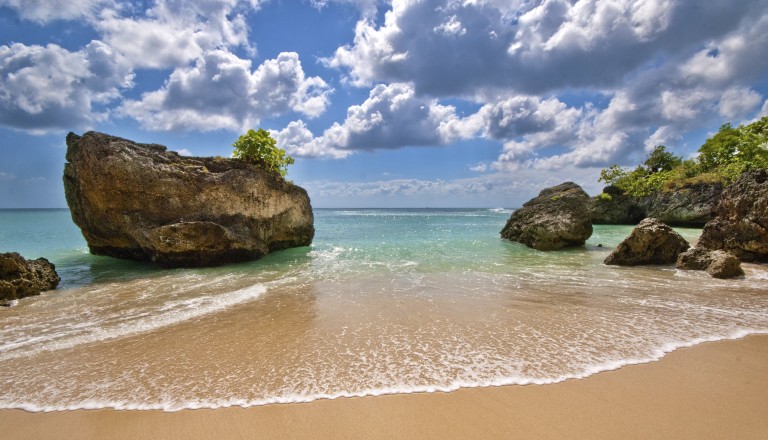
{"x":722,"y":158}
{"x":260,"y":148}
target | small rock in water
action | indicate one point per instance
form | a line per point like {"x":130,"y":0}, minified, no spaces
{"x":651,"y":242}
{"x":719,"y":264}
{"x":20,"y":277}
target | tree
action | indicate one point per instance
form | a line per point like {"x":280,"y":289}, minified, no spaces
{"x":260,"y":148}
{"x":661,"y":160}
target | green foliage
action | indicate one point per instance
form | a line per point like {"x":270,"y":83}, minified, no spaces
{"x":661,"y":160}
{"x":723,"y":157}
{"x":260,"y":148}
{"x":604,"y":197}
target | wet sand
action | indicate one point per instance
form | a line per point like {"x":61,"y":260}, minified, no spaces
{"x":712,"y":391}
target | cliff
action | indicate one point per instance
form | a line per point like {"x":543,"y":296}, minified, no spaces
{"x":143,"y":202}
{"x":741,"y":224}
{"x":691,"y":204}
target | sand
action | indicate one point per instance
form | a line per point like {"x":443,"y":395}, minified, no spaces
{"x":715,"y":390}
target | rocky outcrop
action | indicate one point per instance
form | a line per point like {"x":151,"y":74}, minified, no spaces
{"x":613,"y":207}
{"x":142,"y":202}
{"x":557,"y":218}
{"x":741,"y":223}
{"x":20,"y":277}
{"x":719,"y":264}
{"x":651,"y":242}
{"x":691,"y":204}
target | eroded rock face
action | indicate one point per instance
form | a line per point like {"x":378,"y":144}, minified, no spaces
{"x":690,"y":205}
{"x":558,"y":218}
{"x":651,"y":242}
{"x":613,"y":207}
{"x":142,"y":202}
{"x":20,"y":277}
{"x":719,"y":264}
{"x":741,"y":224}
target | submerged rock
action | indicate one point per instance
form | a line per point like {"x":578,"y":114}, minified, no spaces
{"x":557,"y":218}
{"x":20,"y":277}
{"x":719,"y":264}
{"x":142,"y":202}
{"x":741,"y":224}
{"x":651,"y":242}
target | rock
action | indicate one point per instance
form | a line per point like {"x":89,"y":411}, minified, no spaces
{"x":691,"y":204}
{"x":696,"y":258}
{"x":741,"y":223}
{"x":20,"y":277}
{"x":557,"y":218}
{"x":651,"y":242}
{"x":724,"y":265}
{"x":613,"y":207}
{"x":719,"y":264}
{"x":142,"y":202}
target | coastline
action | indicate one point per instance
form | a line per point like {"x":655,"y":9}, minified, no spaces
{"x":712,"y":390}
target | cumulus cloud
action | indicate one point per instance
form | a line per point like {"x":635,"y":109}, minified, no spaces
{"x":663,"y":67}
{"x":43,"y":11}
{"x":392,"y":117}
{"x":530,"y":47}
{"x":221,"y":91}
{"x":172,"y":33}
{"x":49,"y":87}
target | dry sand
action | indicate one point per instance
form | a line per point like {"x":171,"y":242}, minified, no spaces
{"x":712,"y":391}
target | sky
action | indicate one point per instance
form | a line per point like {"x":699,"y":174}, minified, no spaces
{"x":402,"y":103}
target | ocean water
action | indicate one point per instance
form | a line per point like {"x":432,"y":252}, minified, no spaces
{"x":384,"y":301}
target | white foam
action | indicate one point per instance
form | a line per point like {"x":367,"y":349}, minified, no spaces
{"x":455,"y":385}
{"x":172,"y":313}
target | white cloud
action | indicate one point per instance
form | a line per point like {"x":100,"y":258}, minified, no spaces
{"x":532,"y":48}
{"x":48,"y":87}
{"x":43,"y":11}
{"x":173,"y":33}
{"x":738,"y":102}
{"x":184,"y":152}
{"x":392,"y":117}
{"x":221,"y":92}
{"x":508,"y":189}
{"x":452,"y":27}
{"x":6,"y":176}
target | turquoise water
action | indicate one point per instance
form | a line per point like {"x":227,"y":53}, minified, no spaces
{"x":384,"y":301}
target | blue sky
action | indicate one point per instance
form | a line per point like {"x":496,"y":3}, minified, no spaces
{"x":432,"y":103}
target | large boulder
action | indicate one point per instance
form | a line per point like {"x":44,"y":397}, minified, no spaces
{"x":613,"y":207}
{"x":692,"y":204}
{"x":719,"y":264}
{"x":741,"y":224}
{"x":20,"y":277}
{"x":557,"y":218}
{"x":142,"y":202}
{"x":651,"y":242}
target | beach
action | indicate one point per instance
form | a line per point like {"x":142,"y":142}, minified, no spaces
{"x":715,"y":390}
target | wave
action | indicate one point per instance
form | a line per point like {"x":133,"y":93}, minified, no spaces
{"x":658,"y":354}
{"x":171,"y":313}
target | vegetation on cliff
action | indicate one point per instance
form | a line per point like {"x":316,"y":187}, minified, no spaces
{"x":722,"y":158}
{"x":259,"y":148}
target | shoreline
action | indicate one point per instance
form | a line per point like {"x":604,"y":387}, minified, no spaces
{"x":710,"y":390}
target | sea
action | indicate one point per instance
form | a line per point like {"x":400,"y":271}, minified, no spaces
{"x":384,"y":301}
